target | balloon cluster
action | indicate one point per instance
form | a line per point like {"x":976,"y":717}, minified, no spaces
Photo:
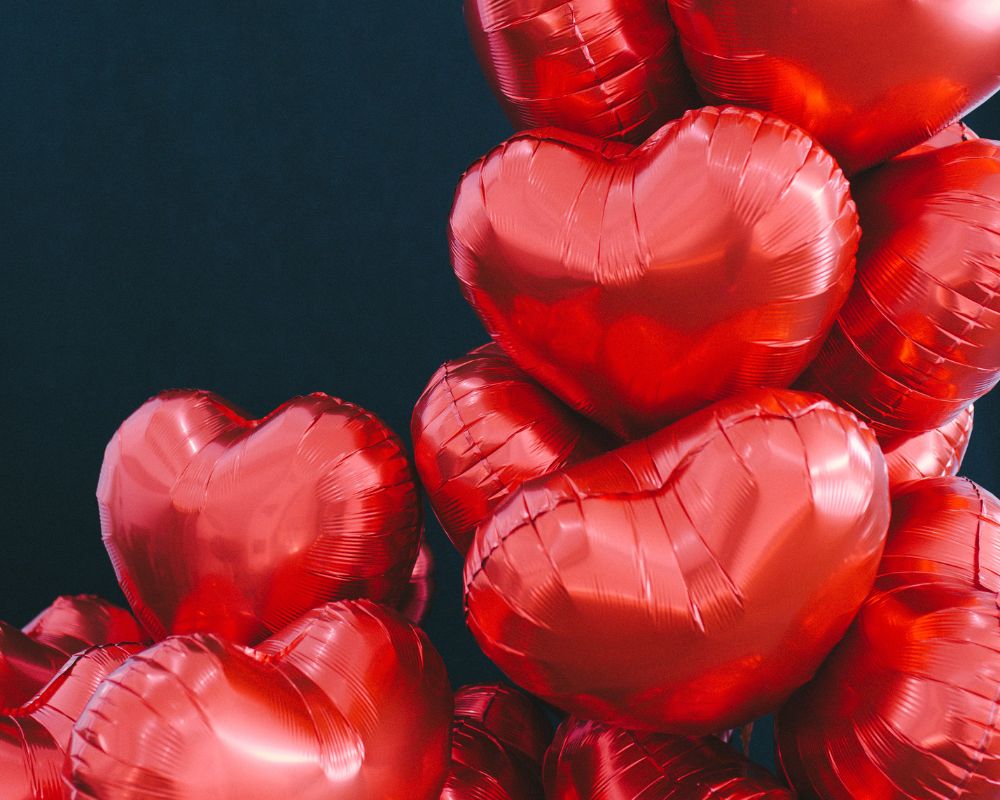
{"x":704,"y":471}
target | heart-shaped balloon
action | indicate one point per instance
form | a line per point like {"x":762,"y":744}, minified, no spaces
{"x":934,"y":454}
{"x":348,"y":703}
{"x":222,"y":524}
{"x":416,"y":598}
{"x":593,"y":761}
{"x":34,"y":737}
{"x":919,"y":338}
{"x":481,"y":428}
{"x":690,"y":581}
{"x":606,"y":68}
{"x":868,"y":78}
{"x":639,"y":285}
{"x":512,"y":716}
{"x":908,"y":704}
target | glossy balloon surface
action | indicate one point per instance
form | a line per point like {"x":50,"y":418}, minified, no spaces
{"x":868,"y":78}
{"x":934,"y":454}
{"x":908,"y":704}
{"x":641,"y":284}
{"x":416,"y":598}
{"x":222,"y":524}
{"x":513,"y":717}
{"x":652,"y":587}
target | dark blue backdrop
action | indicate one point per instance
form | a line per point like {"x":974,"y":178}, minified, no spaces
{"x":249,"y":197}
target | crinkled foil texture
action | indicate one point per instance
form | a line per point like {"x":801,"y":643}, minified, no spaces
{"x":935,"y":454}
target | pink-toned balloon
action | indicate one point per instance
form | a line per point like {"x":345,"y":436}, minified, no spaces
{"x":639,"y":285}
{"x":907,"y":705}
{"x":350,"y":702}
{"x":222,"y":524}
{"x":934,"y":454}
{"x":653,"y":588}
{"x":868,"y":78}
{"x":417,"y":598}
{"x":606,"y":68}
{"x":481,"y":428}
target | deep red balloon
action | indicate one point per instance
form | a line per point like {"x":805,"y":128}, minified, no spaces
{"x":605,"y":68}
{"x":512,"y":716}
{"x":907,"y":706}
{"x":640,"y":285}
{"x":222,"y":524}
{"x":481,"y":428}
{"x":919,"y":337}
{"x":690,"y":581}
{"x":417,"y":598}
{"x":868,"y":78}
{"x":34,"y":737}
{"x":593,"y":761}
{"x":350,"y":702}
{"x":934,"y":454}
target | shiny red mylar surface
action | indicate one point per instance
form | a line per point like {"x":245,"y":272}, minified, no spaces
{"x":868,"y":78}
{"x":919,"y":338}
{"x":512,"y":716}
{"x":606,"y":68}
{"x":348,"y":703}
{"x":934,"y":454}
{"x":481,"y":428}
{"x":640,"y":285}
{"x":690,"y":581}
{"x":592,"y":761}
{"x":416,"y":598}
{"x":221,"y":524}
{"x":956,"y":133}
{"x":907,"y":707}
{"x":34,"y":736}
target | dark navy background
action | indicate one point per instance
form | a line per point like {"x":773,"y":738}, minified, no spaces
{"x":247,"y":197}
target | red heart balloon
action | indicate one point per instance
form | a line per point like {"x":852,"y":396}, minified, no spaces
{"x":919,"y":337}
{"x":417,"y":597}
{"x":934,"y":454}
{"x":652,"y":587}
{"x":640,"y":285}
{"x":868,"y":78}
{"x":606,"y":68}
{"x":481,"y":428}
{"x":907,"y":706}
{"x":35,"y":736}
{"x":222,"y":524}
{"x":592,"y":761}
{"x":348,"y":703}
{"x":512,"y":716}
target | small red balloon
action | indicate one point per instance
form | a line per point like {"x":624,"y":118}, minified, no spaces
{"x":512,"y":716}
{"x":350,"y":702}
{"x":417,"y":598}
{"x":934,"y":454}
{"x":690,"y":581}
{"x":908,"y":704}
{"x":222,"y":524}
{"x":639,"y":285}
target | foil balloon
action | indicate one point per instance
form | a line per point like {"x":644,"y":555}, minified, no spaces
{"x":956,"y":133}
{"x":690,"y":581}
{"x":640,"y":285}
{"x":222,"y":524}
{"x":512,"y":716}
{"x":919,"y":338}
{"x":481,"y":428}
{"x":934,"y":454}
{"x":907,"y":706}
{"x":350,"y":702}
{"x":605,"y":68}
{"x":593,"y":761}
{"x":868,"y":78}
{"x":34,"y":736}
{"x":417,"y":598}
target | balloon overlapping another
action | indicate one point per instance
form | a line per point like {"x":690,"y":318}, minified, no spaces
{"x":416,"y":598}
{"x":934,"y":454}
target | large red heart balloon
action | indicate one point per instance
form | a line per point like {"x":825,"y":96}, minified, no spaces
{"x":868,"y":78}
{"x":606,"y":68}
{"x":690,"y":581}
{"x":593,"y":761}
{"x":481,"y":428}
{"x":934,"y":454}
{"x":34,"y":737}
{"x":908,"y":705}
{"x":348,"y":703}
{"x":919,"y":338}
{"x":640,"y":285}
{"x":222,"y":524}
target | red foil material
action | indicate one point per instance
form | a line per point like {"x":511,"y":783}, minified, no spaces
{"x":868,"y":78}
{"x":593,"y":761}
{"x":481,"y":428}
{"x":956,"y":133}
{"x":639,"y":285}
{"x":919,"y":337}
{"x":35,"y":735}
{"x":417,"y":597}
{"x":350,"y":702}
{"x":513,"y":717}
{"x":934,"y":454}
{"x":689,"y":582}
{"x":221,"y":524}
{"x":605,"y":68}
{"x":908,"y":705}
